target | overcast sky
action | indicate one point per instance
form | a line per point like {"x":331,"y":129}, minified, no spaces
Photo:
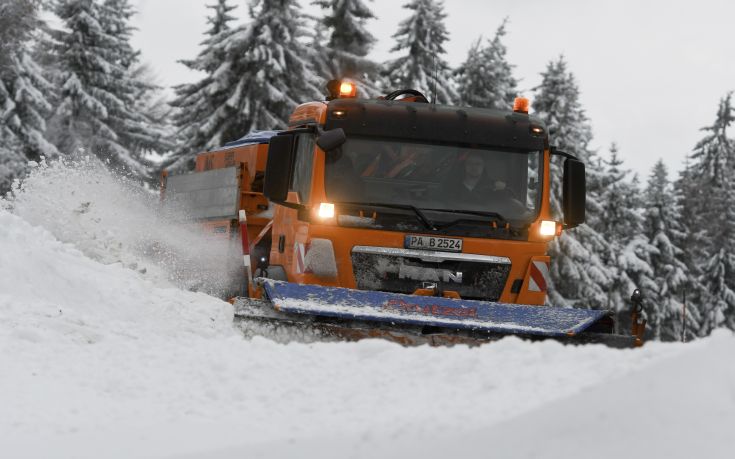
{"x":651,"y":72}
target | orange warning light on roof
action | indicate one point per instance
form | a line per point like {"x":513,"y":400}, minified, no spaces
{"x":347,"y":89}
{"x":521,"y":105}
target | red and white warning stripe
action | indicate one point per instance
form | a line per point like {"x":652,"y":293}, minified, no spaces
{"x":245,"y":245}
{"x":539,"y":279}
{"x":299,"y":255}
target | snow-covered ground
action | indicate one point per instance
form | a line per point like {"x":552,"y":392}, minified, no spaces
{"x":103,"y":355}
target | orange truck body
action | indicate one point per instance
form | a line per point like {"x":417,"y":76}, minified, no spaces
{"x":291,"y":236}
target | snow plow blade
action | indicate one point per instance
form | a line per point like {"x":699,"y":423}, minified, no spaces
{"x":443,"y":320}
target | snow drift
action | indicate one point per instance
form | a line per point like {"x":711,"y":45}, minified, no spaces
{"x":101,"y":360}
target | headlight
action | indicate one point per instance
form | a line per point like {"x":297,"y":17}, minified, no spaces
{"x":548,"y":228}
{"x":326,"y":210}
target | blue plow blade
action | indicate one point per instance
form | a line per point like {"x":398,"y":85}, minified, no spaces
{"x":396,"y":308}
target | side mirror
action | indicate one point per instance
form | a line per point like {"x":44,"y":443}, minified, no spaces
{"x":331,"y":140}
{"x":279,"y":167}
{"x":574,"y":193}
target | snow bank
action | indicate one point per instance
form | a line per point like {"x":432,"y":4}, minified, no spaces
{"x":101,"y":360}
{"x":51,"y":293}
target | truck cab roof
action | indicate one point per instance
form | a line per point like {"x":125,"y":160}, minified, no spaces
{"x":437,"y":123}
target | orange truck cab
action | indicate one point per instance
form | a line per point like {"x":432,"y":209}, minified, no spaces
{"x":411,"y":197}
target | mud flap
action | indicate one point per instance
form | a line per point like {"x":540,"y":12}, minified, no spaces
{"x":395,"y":308}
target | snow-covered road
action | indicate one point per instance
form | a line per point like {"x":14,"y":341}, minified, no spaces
{"x":101,"y":360}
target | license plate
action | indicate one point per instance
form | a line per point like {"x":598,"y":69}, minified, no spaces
{"x":446,"y":244}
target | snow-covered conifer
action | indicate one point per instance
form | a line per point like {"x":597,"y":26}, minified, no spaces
{"x":421,"y":37}
{"x":262,"y":75}
{"x":664,"y":228}
{"x":220,"y":20}
{"x":344,"y":55}
{"x":115,"y":16}
{"x":619,"y":199}
{"x":579,"y":276}
{"x":713,"y":162}
{"x":621,"y":224}
{"x":693,"y":243}
{"x":713,"y":173}
{"x":199,"y":102}
{"x":714,"y":156}
{"x":137,"y":130}
{"x":557,"y":101}
{"x":718,"y":273}
{"x":12,"y":163}
{"x":97,"y":92}
{"x":24,"y":92}
{"x":154,"y":104}
{"x":486,"y":78}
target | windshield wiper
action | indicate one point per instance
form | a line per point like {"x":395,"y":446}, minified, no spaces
{"x":499,"y":218}
{"x":421,"y":216}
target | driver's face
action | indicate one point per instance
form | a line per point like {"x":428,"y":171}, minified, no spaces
{"x":474,"y":166}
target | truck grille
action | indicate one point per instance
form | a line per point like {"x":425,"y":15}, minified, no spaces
{"x":404,"y":271}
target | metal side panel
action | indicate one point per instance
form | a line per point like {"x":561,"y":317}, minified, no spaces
{"x":428,"y":311}
{"x":209,"y":194}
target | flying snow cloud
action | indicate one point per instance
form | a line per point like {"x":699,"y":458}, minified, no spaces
{"x":111,"y":218}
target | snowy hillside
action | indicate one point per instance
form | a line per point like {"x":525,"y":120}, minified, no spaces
{"x":101,"y":359}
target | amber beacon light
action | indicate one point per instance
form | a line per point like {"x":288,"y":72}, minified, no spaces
{"x":521,"y":104}
{"x":347,"y":89}
{"x":338,"y":89}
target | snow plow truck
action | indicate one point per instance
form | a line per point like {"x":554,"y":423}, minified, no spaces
{"x":398,"y":218}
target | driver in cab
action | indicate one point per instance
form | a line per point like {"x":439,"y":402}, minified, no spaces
{"x":471,"y":184}
{"x":474,"y":187}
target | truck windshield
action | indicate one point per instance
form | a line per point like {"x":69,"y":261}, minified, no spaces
{"x":440,"y":178}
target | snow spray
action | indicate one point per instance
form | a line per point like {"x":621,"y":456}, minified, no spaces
{"x":112,"y":218}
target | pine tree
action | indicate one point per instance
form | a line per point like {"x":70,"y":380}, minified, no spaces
{"x":24,"y":92}
{"x":689,"y":198}
{"x":693,"y":242}
{"x":486,"y":78}
{"x":262,"y":75}
{"x":422,"y":37}
{"x":345,"y":53}
{"x":219,"y":21}
{"x":665,"y":232}
{"x":713,"y":173}
{"x":620,"y":208}
{"x":557,"y":98}
{"x":136,"y":130}
{"x":714,"y":156}
{"x":557,"y":103}
{"x":713,"y":161}
{"x":97,"y":106}
{"x":81,"y":114}
{"x":718,"y":273}
{"x":321,"y":56}
{"x":579,"y":276}
{"x":154,"y":105}
{"x":115,"y":16}
{"x":629,"y":251}
{"x":12,"y":163}
{"x":201,"y":102}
